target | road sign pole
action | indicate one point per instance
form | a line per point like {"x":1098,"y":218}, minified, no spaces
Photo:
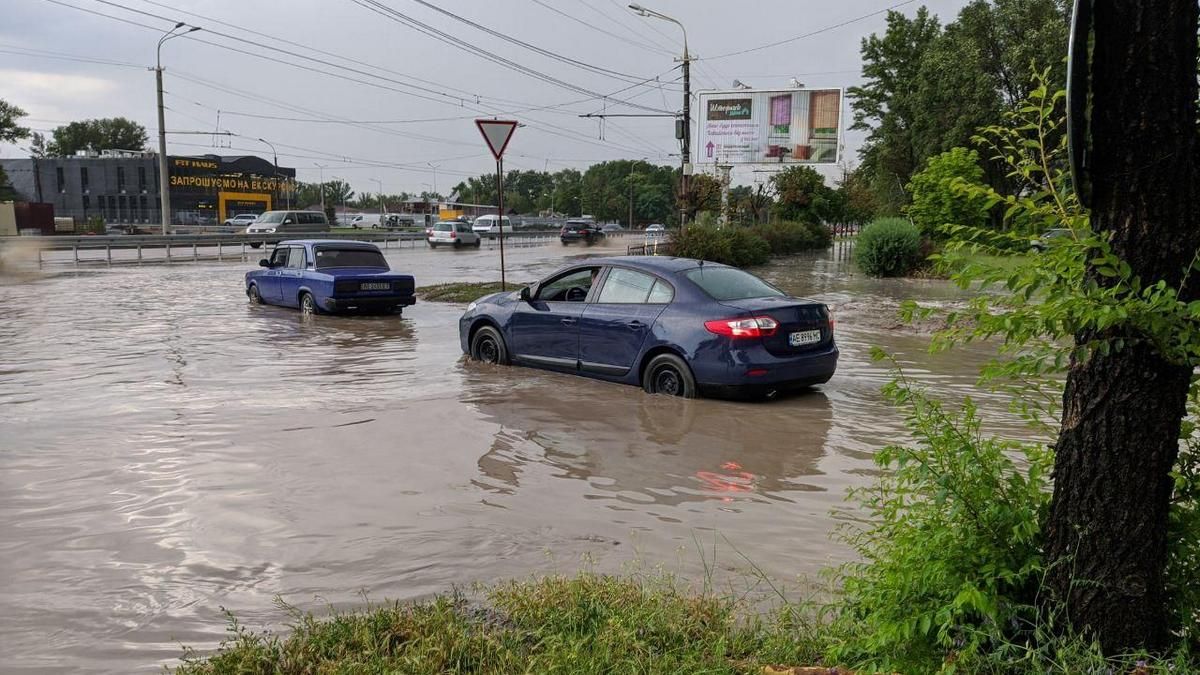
{"x":500,"y":213}
{"x":497,"y":134}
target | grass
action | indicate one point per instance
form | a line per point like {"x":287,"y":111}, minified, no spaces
{"x":588,"y":623}
{"x":462,"y":291}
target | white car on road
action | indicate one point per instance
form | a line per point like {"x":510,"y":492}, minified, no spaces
{"x":452,"y":233}
{"x":656,"y":230}
{"x":241,"y":219}
{"x":489,"y":225}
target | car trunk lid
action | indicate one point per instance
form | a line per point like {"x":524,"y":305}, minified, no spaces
{"x":804,"y":325}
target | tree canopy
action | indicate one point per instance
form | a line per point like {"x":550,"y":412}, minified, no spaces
{"x":111,"y":133}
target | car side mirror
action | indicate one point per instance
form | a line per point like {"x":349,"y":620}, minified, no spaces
{"x":525,"y":295}
{"x":264,"y":263}
{"x":287,"y":221}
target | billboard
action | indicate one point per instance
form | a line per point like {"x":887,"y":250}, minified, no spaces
{"x":785,"y":126}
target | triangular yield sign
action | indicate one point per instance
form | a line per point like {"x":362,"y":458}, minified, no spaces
{"x":497,"y":134}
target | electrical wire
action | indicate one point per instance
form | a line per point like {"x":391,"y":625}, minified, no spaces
{"x":622,"y":38}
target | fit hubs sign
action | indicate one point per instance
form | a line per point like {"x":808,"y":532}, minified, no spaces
{"x":790,"y":126}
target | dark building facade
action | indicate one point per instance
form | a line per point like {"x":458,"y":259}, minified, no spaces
{"x":122,"y":187}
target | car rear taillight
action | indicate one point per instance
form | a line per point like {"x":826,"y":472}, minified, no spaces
{"x":453,"y":234}
{"x":832,"y":321}
{"x":754,"y":327}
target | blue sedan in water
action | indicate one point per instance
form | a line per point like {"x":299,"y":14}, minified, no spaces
{"x":672,"y":325}
{"x":325,"y":275}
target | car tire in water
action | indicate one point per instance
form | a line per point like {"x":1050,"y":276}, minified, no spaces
{"x":256,"y":245}
{"x":308,"y":304}
{"x":433,"y":244}
{"x":668,"y":374}
{"x":255,"y":296}
{"x":458,"y":243}
{"x":478,"y":242}
{"x":487,"y":345}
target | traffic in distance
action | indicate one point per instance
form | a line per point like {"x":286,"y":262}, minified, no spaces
{"x":673,"y":326}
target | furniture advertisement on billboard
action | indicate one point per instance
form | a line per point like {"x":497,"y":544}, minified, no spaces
{"x":787,"y":126}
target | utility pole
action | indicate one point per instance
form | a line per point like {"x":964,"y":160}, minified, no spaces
{"x":322,"y":179}
{"x":164,"y":192}
{"x":684,"y":134}
{"x":275,"y":164}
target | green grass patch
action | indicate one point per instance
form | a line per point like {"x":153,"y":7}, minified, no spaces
{"x":464,"y":291}
{"x":583,"y":624}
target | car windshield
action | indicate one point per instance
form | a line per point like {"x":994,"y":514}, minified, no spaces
{"x":349,"y":257}
{"x":271,"y":217}
{"x":729,"y":283}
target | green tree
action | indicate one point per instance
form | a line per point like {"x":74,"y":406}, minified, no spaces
{"x":801,"y":194}
{"x":10,"y":132}
{"x":887,"y":106}
{"x":937,"y":198}
{"x":113,"y":133}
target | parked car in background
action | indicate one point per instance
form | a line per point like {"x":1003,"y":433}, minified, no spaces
{"x":489,"y":225}
{"x":319,"y":276}
{"x":580,"y":230}
{"x":611,"y":227}
{"x":656,"y":230}
{"x":241,"y":219}
{"x":674,"y":326}
{"x":1039,"y":244}
{"x":452,"y":233}
{"x":366,"y":220}
{"x":280,"y":222}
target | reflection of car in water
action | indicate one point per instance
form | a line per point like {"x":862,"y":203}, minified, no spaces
{"x":329,"y":276}
{"x":672,"y":325}
{"x":667,"y":451}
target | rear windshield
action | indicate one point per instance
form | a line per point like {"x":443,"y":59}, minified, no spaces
{"x":349,"y":257}
{"x":729,"y":283}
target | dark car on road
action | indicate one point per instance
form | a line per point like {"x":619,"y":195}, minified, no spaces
{"x":671,"y":325}
{"x":319,"y":275}
{"x":580,"y":230}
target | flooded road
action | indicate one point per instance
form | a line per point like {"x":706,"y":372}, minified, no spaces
{"x":167,"y":449}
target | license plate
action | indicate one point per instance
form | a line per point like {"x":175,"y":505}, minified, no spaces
{"x":804,"y":337}
{"x":375,"y":286}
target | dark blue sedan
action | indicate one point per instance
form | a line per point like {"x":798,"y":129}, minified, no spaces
{"x":322,"y":275}
{"x":672,"y":325}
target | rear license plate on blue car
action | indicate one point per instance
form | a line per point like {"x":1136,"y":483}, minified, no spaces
{"x":375,"y":286}
{"x":804,"y":337}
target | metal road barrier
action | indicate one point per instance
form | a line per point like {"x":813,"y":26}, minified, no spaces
{"x":187,"y":247}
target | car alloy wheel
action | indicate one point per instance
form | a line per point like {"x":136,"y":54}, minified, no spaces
{"x":307,"y":304}
{"x":255,"y":297}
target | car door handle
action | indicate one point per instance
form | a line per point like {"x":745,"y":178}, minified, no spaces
{"x":568,"y":321}
{"x":636,"y":325}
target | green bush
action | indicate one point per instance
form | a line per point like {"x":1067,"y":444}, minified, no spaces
{"x":939,"y":197}
{"x":793,"y":237}
{"x":888,"y":247}
{"x":735,"y":246}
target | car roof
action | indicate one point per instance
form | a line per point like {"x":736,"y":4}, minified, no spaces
{"x":652,"y":263}
{"x":347,"y":243}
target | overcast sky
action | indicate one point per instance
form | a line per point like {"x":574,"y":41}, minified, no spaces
{"x":392,"y":100}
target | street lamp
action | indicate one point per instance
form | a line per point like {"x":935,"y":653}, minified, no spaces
{"x":434,"y":167}
{"x":164,"y":193}
{"x":322,"y":168}
{"x":342,"y":180}
{"x":275,"y":162}
{"x":382,"y":206}
{"x":686,"y":136}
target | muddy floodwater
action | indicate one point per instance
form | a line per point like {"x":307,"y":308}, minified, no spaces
{"x":167,"y":449}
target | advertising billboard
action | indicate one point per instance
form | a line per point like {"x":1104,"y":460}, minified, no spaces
{"x":786,"y":126}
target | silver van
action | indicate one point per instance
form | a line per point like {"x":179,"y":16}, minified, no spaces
{"x":288,"y":222}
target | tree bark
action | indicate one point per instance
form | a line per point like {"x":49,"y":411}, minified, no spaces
{"x":1106,"y":529}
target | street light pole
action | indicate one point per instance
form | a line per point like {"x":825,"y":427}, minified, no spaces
{"x":382,"y":206}
{"x":164,"y":192}
{"x":687,"y":109}
{"x":434,"y":167}
{"x":322,"y":186}
{"x":275,"y":158}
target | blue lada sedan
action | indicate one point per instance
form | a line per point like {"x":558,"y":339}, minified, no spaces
{"x":672,"y":325}
{"x":321,"y":275}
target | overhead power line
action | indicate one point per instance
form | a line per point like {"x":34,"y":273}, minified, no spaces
{"x":421,"y":27}
{"x":617,"y":36}
{"x":807,"y":35}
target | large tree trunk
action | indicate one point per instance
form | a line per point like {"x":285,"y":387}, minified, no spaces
{"x":1106,"y":530}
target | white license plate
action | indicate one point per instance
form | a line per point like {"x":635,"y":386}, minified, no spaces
{"x":375,"y":286}
{"x":804,"y":337}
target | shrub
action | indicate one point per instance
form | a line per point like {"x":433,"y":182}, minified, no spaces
{"x":792,"y":237}
{"x":888,"y":247}
{"x":938,"y":197}
{"x":735,"y":246}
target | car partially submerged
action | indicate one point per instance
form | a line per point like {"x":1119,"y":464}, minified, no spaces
{"x":322,"y":275}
